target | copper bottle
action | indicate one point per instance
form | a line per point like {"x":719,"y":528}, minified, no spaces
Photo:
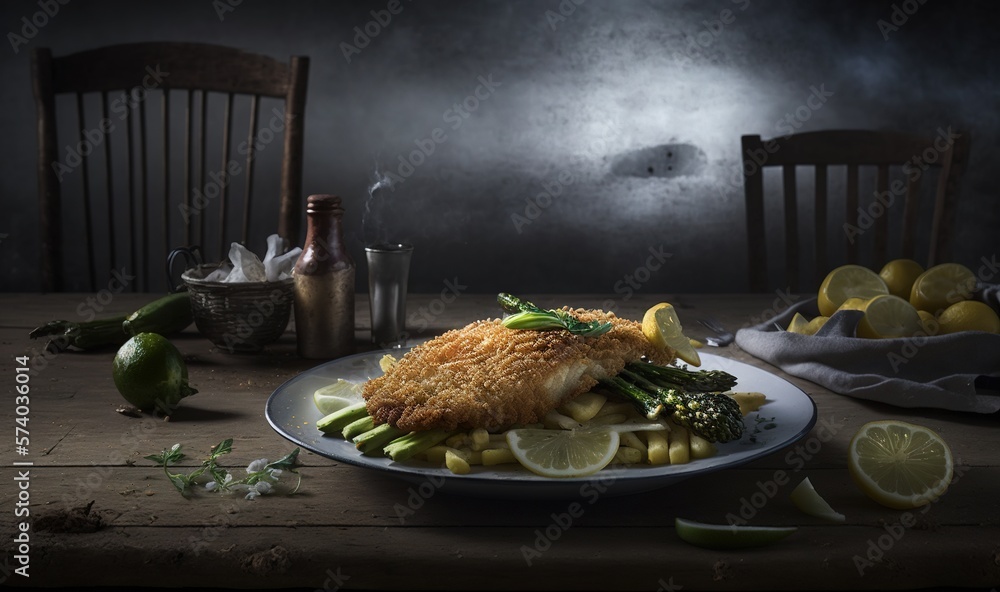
{"x":324,"y":284}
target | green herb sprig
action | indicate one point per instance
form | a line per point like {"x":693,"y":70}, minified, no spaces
{"x":525,"y":315}
{"x":261,"y":474}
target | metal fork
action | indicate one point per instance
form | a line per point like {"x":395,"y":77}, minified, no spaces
{"x":722,"y":338}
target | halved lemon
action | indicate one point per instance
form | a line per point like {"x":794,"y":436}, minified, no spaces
{"x":854,"y":303}
{"x":845,"y":282}
{"x":887,"y":317}
{"x":336,"y":396}
{"x":941,"y":286}
{"x":663,"y":329}
{"x":806,"y":498}
{"x":563,"y":453}
{"x":899,"y":275}
{"x":900,"y":465}
{"x":724,"y":536}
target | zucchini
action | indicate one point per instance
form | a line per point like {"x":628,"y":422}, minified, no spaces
{"x":167,"y":315}
{"x":170,"y":314}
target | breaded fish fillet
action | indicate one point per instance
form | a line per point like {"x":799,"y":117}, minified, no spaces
{"x":488,"y":376}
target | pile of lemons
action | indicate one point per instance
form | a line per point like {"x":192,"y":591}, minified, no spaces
{"x":902,"y":300}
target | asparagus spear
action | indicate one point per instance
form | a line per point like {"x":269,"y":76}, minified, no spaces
{"x":414,"y":443}
{"x":699,"y":381}
{"x":372,"y":441}
{"x":647,"y":404}
{"x":339,"y":419}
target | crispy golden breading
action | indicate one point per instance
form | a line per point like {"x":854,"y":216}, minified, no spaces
{"x":487,"y":376}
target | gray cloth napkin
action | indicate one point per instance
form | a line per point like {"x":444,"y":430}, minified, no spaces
{"x":939,"y":372}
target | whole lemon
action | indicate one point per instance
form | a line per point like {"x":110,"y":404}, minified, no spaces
{"x":969,"y":315}
{"x":899,"y":275}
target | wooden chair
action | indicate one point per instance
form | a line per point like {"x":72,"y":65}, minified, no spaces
{"x":192,"y":70}
{"x":947,"y":152}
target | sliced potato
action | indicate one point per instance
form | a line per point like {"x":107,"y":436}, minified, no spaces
{"x":657,"y":451}
{"x":628,"y":456}
{"x":479,"y":439}
{"x":631,"y":440}
{"x":498,"y":456}
{"x":680,"y":447}
{"x":585,"y":407}
{"x":456,"y":464}
{"x":700,"y":447}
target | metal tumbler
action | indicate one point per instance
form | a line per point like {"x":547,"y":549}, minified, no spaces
{"x":388,"y":274}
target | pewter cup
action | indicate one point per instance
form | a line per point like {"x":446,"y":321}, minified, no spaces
{"x":388,"y":274}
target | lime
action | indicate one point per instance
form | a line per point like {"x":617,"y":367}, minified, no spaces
{"x":663,"y":329}
{"x":336,"y":396}
{"x":806,"y":498}
{"x":724,"y":536}
{"x":563,"y":453}
{"x":150,"y":373}
{"x":900,"y":465}
{"x":845,"y":282}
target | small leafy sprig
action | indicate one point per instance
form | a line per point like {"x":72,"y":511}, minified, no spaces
{"x":525,"y":315}
{"x":260,"y":478}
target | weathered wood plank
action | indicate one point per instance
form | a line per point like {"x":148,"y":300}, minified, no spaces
{"x":457,"y":558}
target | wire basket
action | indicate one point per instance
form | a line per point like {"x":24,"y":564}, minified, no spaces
{"x":240,"y":317}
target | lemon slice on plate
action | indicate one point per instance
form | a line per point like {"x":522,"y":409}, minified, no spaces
{"x":663,"y":329}
{"x":724,"y":536}
{"x":887,"y":317}
{"x":336,"y":396}
{"x":809,"y":501}
{"x":563,"y":453}
{"x":900,"y":465}
{"x":941,"y":286}
{"x":845,"y":282}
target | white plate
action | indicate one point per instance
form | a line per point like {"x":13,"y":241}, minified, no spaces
{"x":291,"y":412}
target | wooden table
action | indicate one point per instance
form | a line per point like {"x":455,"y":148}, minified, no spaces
{"x":101,"y":515}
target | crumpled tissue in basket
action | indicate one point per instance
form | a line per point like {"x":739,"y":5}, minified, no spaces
{"x":247,"y":267}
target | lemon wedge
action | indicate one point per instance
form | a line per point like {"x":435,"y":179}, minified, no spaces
{"x":663,"y":329}
{"x":806,"y":498}
{"x":563,"y":453}
{"x":900,"y":465}
{"x":845,"y":282}
{"x":941,"y":286}
{"x":798,"y":324}
{"x":887,"y":317}
{"x":724,"y":536}
{"x":336,"y":396}
{"x":969,"y":315}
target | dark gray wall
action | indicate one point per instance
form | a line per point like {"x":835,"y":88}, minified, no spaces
{"x":572,"y":97}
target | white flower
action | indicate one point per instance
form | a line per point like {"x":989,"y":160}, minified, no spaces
{"x":274,"y":473}
{"x":174,"y":447}
{"x":211,"y":485}
{"x":257,"y":465}
{"x":258,"y":488}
